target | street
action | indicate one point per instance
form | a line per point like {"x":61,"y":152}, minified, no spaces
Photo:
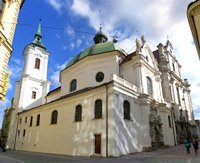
{"x":169,"y":155}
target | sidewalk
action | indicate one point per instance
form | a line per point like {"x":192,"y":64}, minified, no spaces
{"x":175,"y":154}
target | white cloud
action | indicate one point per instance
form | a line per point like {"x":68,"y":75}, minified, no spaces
{"x":72,"y":45}
{"x":78,"y":42}
{"x":54,"y":77}
{"x":4,"y":103}
{"x":58,"y":5}
{"x":70,"y":31}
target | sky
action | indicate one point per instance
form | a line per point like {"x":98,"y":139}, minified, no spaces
{"x":68,"y":27}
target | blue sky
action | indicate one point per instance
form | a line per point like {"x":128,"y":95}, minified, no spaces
{"x":68,"y":27}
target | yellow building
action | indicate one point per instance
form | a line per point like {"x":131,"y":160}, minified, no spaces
{"x":9,"y":11}
{"x":193,"y":13}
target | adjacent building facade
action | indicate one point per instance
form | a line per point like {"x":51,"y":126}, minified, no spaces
{"x":193,"y":14}
{"x":110,"y":103}
{"x":9,"y":11}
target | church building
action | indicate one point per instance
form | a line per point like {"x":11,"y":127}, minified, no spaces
{"x":110,"y":103}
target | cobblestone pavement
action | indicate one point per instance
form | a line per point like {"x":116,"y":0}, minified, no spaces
{"x":169,"y":155}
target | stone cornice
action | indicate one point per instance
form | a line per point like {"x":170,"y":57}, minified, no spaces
{"x":5,"y":42}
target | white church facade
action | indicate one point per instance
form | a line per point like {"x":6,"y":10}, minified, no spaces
{"x":110,"y":103}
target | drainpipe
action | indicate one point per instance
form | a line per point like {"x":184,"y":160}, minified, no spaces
{"x":173,"y":127}
{"x":106,"y":120}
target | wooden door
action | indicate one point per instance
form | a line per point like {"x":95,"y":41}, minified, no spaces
{"x":97,"y":144}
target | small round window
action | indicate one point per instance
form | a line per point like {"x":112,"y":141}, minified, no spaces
{"x":99,"y":76}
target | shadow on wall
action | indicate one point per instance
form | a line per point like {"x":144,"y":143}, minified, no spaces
{"x":128,"y":132}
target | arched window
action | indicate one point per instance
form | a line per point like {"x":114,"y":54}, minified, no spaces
{"x":98,"y":109}
{"x":37,"y":63}
{"x":31,"y":121}
{"x":33,"y":95}
{"x":78,"y":113}
{"x":24,"y":133}
{"x":54,"y":117}
{"x":73,"y":85}
{"x":178,"y":95}
{"x":38,"y":120}
{"x":169,"y":121}
{"x":149,"y":86}
{"x":127,"y":110}
{"x":173,"y":66}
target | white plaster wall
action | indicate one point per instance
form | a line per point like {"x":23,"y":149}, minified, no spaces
{"x":30,"y":54}
{"x":67,"y":136}
{"x":86,"y":69}
{"x":167,"y":131}
{"x":129,"y":73}
{"x":25,"y":99}
{"x":53,"y":96}
{"x":130,"y":135}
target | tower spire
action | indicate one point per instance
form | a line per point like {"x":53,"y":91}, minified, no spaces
{"x":38,"y":35}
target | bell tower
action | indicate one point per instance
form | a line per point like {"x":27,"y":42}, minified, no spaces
{"x":33,"y":86}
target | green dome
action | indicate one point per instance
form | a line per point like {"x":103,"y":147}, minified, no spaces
{"x":94,"y":50}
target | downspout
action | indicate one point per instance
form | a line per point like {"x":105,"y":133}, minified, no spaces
{"x":106,"y":120}
{"x":173,"y":127}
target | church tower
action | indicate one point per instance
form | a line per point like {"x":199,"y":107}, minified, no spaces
{"x":33,"y":86}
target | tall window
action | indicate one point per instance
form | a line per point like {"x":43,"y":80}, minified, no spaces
{"x":127,"y":110}
{"x":38,"y":120}
{"x":78,"y":113}
{"x":178,"y":95}
{"x":98,"y":109}
{"x":25,"y":119}
{"x":169,"y":121}
{"x":18,"y":133}
{"x":73,"y":85}
{"x":33,"y":95}
{"x":149,"y":86}
{"x":173,"y":66}
{"x":37,"y":63}
{"x":54,"y":117}
{"x":31,"y":121}
{"x":24,"y":133}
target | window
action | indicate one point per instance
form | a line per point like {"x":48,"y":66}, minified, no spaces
{"x":147,"y":58}
{"x":98,"y":109}
{"x":24,"y":133}
{"x":78,"y":113}
{"x":173,"y":66}
{"x":33,"y":95}
{"x":99,"y":76}
{"x":178,"y":95}
{"x":37,"y":63}
{"x":149,"y":86}
{"x":25,"y":119}
{"x":127,"y":110}
{"x":20,"y":121}
{"x":73,"y":85}
{"x":54,"y":116}
{"x":18,"y":133}
{"x":38,"y":120}
{"x":31,"y":121}
{"x":169,"y":121}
